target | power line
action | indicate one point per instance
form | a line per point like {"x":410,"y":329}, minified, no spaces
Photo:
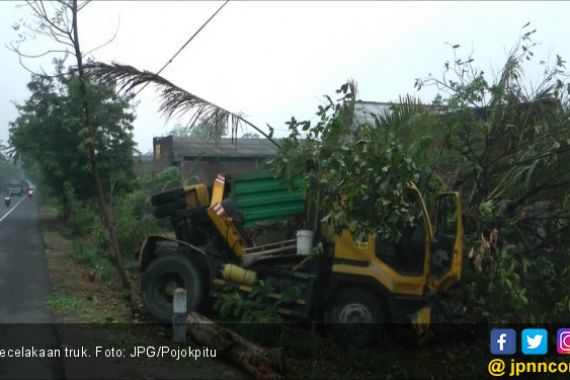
{"x":187,"y":42}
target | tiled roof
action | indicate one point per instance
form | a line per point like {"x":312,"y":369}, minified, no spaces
{"x":187,"y":147}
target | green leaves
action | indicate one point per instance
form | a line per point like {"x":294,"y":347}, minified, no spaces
{"x":49,"y":134}
{"x":508,"y":144}
{"x":354,"y":172}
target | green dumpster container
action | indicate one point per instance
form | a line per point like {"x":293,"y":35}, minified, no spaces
{"x":263,"y":198}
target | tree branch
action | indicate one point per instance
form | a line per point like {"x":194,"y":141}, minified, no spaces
{"x":17,"y":51}
{"x":109,"y":41}
{"x":42,"y":15}
{"x":175,"y":100}
{"x":37,"y":74}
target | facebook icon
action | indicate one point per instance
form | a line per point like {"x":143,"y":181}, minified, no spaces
{"x":503,"y":341}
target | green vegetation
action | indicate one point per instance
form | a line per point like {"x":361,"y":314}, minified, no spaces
{"x":133,"y":218}
{"x":58,"y":303}
{"x":70,"y":305}
{"x":356,"y":172}
{"x":49,"y":136}
{"x":255,"y":315}
{"x":512,"y":153}
{"x":505,"y":146}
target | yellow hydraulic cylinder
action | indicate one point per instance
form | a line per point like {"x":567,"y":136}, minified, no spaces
{"x":238,"y":274}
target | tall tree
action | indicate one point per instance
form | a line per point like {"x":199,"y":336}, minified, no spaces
{"x":49,"y":135}
{"x":203,"y":130}
{"x":62,"y":26}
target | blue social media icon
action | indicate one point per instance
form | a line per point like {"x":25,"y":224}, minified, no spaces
{"x":503,"y":341}
{"x":534,"y":341}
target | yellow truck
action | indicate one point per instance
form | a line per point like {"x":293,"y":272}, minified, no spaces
{"x":366,"y":281}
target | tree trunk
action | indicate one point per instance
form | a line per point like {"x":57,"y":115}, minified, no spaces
{"x":107,"y":218}
{"x":259,"y":362}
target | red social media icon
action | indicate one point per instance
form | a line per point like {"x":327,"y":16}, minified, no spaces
{"x":563,"y":341}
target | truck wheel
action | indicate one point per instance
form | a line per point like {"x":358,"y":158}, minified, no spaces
{"x":163,"y":276}
{"x":356,"y":317}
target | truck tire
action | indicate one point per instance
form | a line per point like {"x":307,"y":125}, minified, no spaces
{"x":168,"y":196}
{"x":162,"y":276}
{"x":356,"y":317}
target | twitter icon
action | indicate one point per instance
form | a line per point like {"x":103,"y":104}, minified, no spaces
{"x":534,"y":341}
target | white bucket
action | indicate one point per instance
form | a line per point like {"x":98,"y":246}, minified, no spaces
{"x":304,"y":242}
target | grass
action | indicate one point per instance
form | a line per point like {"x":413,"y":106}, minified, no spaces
{"x":83,"y":289}
{"x":58,"y":303}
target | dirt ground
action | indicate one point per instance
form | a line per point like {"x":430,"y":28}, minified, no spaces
{"x":91,"y":312}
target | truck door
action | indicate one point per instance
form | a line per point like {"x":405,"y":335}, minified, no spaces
{"x":447,"y":243}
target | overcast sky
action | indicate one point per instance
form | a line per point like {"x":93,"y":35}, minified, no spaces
{"x":274,"y":60}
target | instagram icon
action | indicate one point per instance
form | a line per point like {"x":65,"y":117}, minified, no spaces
{"x":563,"y":341}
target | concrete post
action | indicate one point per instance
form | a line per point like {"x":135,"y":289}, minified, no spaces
{"x":179,"y":316}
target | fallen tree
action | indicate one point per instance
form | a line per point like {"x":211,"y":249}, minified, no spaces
{"x":260,"y":362}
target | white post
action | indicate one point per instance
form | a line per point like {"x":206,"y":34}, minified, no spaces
{"x":179,"y":316}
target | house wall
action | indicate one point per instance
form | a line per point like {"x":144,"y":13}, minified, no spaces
{"x":163,"y":155}
{"x":205,"y":168}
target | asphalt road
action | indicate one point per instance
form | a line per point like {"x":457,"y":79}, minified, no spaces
{"x":25,"y":320}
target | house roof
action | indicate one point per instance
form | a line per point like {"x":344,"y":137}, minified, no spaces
{"x":244,"y":148}
{"x":365,"y":111}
